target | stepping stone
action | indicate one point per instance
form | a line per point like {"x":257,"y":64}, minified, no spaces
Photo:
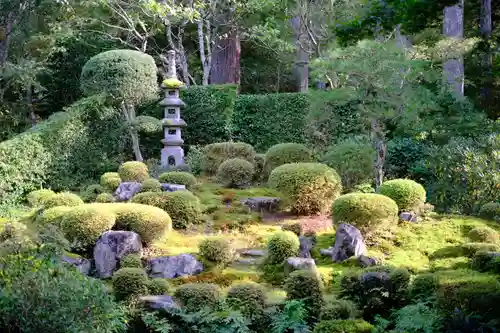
{"x":262,"y":204}
{"x":253,"y":253}
{"x":159,"y":302}
{"x":172,"y":187}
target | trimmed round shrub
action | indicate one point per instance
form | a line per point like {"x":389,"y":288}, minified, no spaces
{"x":158,"y":287}
{"x":285,"y":153}
{"x":151,"y":185}
{"x":339,"y":309}
{"x":311,"y":187}
{"x":151,"y":223}
{"x":282,"y":245}
{"x":129,"y":281}
{"x":196,"y":296}
{"x":216,"y":153}
{"x":490,"y":211}
{"x":179,"y":178}
{"x":53,"y":215}
{"x":344,"y":326}
{"x":483,"y":235}
{"x":353,"y":160}
{"x":38,"y":197}
{"x":83,"y":225}
{"x":63,"y":199}
{"x":105,"y":198}
{"x":133,"y":171}
{"x":117,"y":73}
{"x":249,"y":295}
{"x":366,"y":211}
{"x":90,"y":193}
{"x":423,"y":286}
{"x":235,"y":173}
{"x":407,"y":194}
{"x":216,"y":250}
{"x":296,"y":228}
{"x":470,"y":249}
{"x":305,"y":285}
{"x":110,"y":181}
{"x":132,"y":260}
{"x":183,"y":207}
{"x":484,"y":261}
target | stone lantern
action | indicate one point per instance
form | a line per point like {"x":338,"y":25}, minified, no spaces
{"x":172,"y":154}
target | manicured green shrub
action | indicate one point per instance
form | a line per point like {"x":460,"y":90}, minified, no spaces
{"x":484,"y":261}
{"x":216,"y":153}
{"x":483,"y":235}
{"x":194,"y":160}
{"x":128,"y":282}
{"x":312,"y":187}
{"x":407,"y":194}
{"x":366,"y":211}
{"x":235,"y":173}
{"x":110,"y":181}
{"x":339,"y":309}
{"x":63,"y":199}
{"x":490,"y":211}
{"x":116,"y":74}
{"x":258,"y":167}
{"x":151,"y":185}
{"x":53,"y":297}
{"x":282,"y":245}
{"x":296,"y":228}
{"x":90,"y":193}
{"x":183,"y":207}
{"x":196,"y":296}
{"x":343,"y":326}
{"x":403,"y":155}
{"x":105,"y":198}
{"x":133,"y":171}
{"x":285,"y":153}
{"x":470,"y":249}
{"x":353,"y":160}
{"x":52,"y":215}
{"x":423,"y":286}
{"x":158,"y":286}
{"x":216,"y":250}
{"x":38,"y":197}
{"x":249,"y":295}
{"x":305,"y":285}
{"x":83,"y":225}
{"x":151,"y":223}
{"x":132,"y":260}
{"x":179,"y":177}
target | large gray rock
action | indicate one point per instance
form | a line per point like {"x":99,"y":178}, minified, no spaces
{"x":306,"y":245}
{"x":296,"y":263}
{"x":262,"y":204}
{"x":408,"y":217}
{"x":127,"y":190}
{"x":111,"y":247}
{"x":254,"y":253}
{"x":348,"y":243}
{"x":365,"y":261}
{"x":174,"y":266}
{"x":82,"y":265}
{"x":172,"y":187}
{"x":161,"y":302}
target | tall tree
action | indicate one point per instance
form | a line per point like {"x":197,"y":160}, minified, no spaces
{"x":453,"y":27}
{"x":485,"y":29}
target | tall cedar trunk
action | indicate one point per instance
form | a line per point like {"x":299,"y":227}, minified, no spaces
{"x":226,"y":60}
{"x":5,"y":34}
{"x":129,"y":114}
{"x":453,"y":27}
{"x":485,"y":28}
{"x":29,"y":103}
{"x":380,"y":145}
{"x":301,"y":54}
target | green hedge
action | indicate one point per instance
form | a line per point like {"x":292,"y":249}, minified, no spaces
{"x":67,"y":150}
{"x":266,"y":120}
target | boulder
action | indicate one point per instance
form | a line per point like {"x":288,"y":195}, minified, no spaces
{"x":327,"y":252}
{"x":111,"y":247}
{"x":296,"y":263}
{"x":365,"y":261}
{"x":262,"y":204}
{"x":127,"y":190}
{"x":253,"y":253}
{"x":306,"y":245}
{"x":172,"y":187}
{"x":374,"y":280}
{"x":82,"y":265}
{"x":174,"y":266}
{"x":408,"y":217}
{"x":161,"y":302}
{"x":348,"y":243}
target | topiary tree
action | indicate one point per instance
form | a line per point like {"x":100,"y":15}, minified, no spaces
{"x":196,"y":296}
{"x":235,"y":173}
{"x":151,"y":185}
{"x":36,"y":198}
{"x":259,"y":167}
{"x":133,"y":171}
{"x":344,"y":326}
{"x":250,"y":299}
{"x":131,"y":260}
{"x":305,"y":285}
{"x":216,"y":250}
{"x":284,"y":153}
{"x":129,"y":282}
{"x":52,"y":215}
{"x":216,"y":153}
{"x":296,"y":228}
{"x":366,"y":211}
{"x":282,"y":245}
{"x":129,"y":78}
{"x":183,"y":207}
{"x":490,"y":211}
{"x":158,"y":286}
{"x":408,"y":194}
{"x":311,"y":187}
{"x":179,"y":177}
{"x":110,"y":181}
{"x":483,"y":235}
{"x":62,"y":199}
{"x":90,"y":193}
{"x":339,"y":309}
{"x":105,"y":197}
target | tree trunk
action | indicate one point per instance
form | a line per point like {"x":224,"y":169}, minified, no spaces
{"x":29,"y":103}
{"x":380,"y":145}
{"x":204,"y":51}
{"x":5,"y":34}
{"x":485,"y":29}
{"x":453,"y":27}
{"x":129,"y":114}
{"x":301,"y":54}
{"x":226,"y":60}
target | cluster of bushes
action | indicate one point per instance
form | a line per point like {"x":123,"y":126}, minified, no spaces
{"x":131,"y":282}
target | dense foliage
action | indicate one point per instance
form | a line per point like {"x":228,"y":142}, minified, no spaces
{"x":235,"y":173}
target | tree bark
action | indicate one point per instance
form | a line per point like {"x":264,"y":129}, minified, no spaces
{"x":5,"y":36}
{"x":453,"y":27}
{"x":29,"y":103}
{"x":129,"y":114}
{"x":226,"y":59}
{"x":380,"y":145}
{"x":485,"y":29}
{"x":302,"y":55}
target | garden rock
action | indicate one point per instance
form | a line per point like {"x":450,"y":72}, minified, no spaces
{"x":374,"y":280}
{"x":365,"y":261}
{"x":262,"y":204}
{"x":296,"y":263}
{"x":253,"y":253}
{"x":327,"y":252}
{"x":162,"y":302}
{"x":127,"y":190}
{"x":82,"y":265}
{"x":174,"y":266}
{"x":348,"y":243}
{"x":408,"y":217}
{"x":111,"y":247}
{"x":306,"y":245}
{"x":172,"y":187}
